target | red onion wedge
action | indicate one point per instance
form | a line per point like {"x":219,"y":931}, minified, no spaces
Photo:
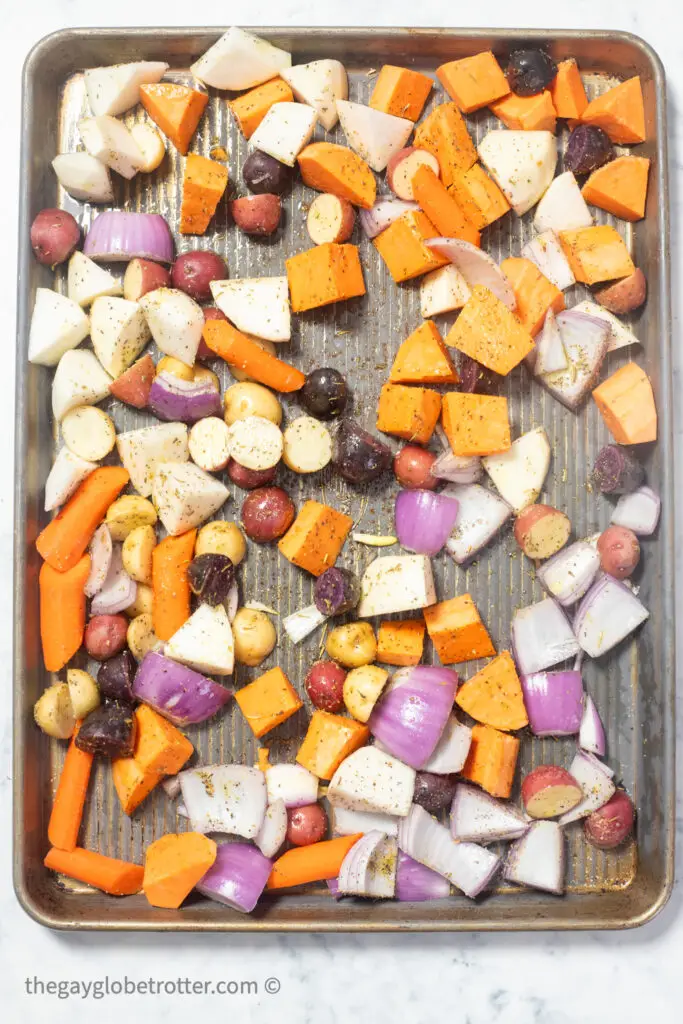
{"x":467,"y":866}
{"x":232,"y":602}
{"x":412,"y":712}
{"x":180,"y":401}
{"x":452,"y":749}
{"x":272,"y":833}
{"x":554,"y":702}
{"x":369,"y":868}
{"x":237,"y":877}
{"x":345,"y":822}
{"x":585,"y":341}
{"x":424,"y":520}
{"x":568,"y":574}
{"x":542,"y":637}
{"x":537,"y":860}
{"x":477,"y":817}
{"x":178,"y":693}
{"x":291,"y":783}
{"x":384,"y":211}
{"x":117,"y":237}
{"x":609,"y":613}
{"x":595,"y":779}
{"x":546,"y":252}
{"x":100,"y":551}
{"x":416,"y":883}
{"x":225,"y":798}
{"x":476,"y":266}
{"x":638,"y":511}
{"x":118,"y":590}
{"x":458,"y":469}
{"x":481,"y":514}
{"x":549,"y":355}
{"x":591,"y":731}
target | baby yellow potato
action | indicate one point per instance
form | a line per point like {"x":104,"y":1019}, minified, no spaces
{"x":250,"y":399}
{"x":352,"y":645}
{"x":83,"y":691}
{"x":362,"y":688}
{"x":221,"y":538}
{"x":202,"y":374}
{"x":137,"y":553}
{"x":54,"y":712}
{"x":127,"y":513}
{"x":177,"y":369}
{"x":141,"y":637}
{"x":143,"y":603}
{"x":254,"y":635}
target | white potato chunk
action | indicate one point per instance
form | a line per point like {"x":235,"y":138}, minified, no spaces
{"x":119,"y":333}
{"x":57,"y":325}
{"x":79,"y":380}
{"x":86,"y":281}
{"x":519,"y":473}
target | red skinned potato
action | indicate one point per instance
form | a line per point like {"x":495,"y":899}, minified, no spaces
{"x":402,"y":167}
{"x":541,"y":530}
{"x":625,"y":295}
{"x":550,"y":790}
{"x":306,"y":825}
{"x":330,"y":219}
{"x":249,"y":479}
{"x":267,"y":513}
{"x":54,"y":236}
{"x":325,"y":686}
{"x":413,"y":468}
{"x":619,"y":551}
{"x":612,"y":823}
{"x":133,"y":386}
{"x":105,"y":636}
{"x":143,"y":276}
{"x":257,"y":215}
{"x":193,"y":273}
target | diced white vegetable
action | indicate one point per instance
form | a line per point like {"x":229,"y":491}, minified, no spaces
{"x":256,"y":305}
{"x":79,"y":380}
{"x":374,"y":135}
{"x":481,"y":514}
{"x":319,"y":84}
{"x":284,"y":131}
{"x":307,"y":445}
{"x":110,"y":142}
{"x":273,"y":830}
{"x":115,"y":89}
{"x":225,"y":798}
{"x":87,"y":281}
{"x":301,"y":624}
{"x":141,"y":451}
{"x":68,"y":471}
{"x":519,"y":473}
{"x":204,"y":642}
{"x":522,"y":163}
{"x":549,"y":355}
{"x":84,"y":177}
{"x":88,"y":432}
{"x":185,"y":496}
{"x":344,"y":822}
{"x":119,"y":333}
{"x":452,"y":749}
{"x":537,"y":859}
{"x":546,"y":252}
{"x":240,"y":60}
{"x":562,"y":208}
{"x":57,"y":325}
{"x":443,"y":290}
{"x":293,"y":784}
{"x":620,"y":334}
{"x":638,"y":511}
{"x":151,"y":145}
{"x":210,"y":444}
{"x":396,"y":583}
{"x":176,"y":322}
{"x":255,"y":442}
{"x":370,"y":780}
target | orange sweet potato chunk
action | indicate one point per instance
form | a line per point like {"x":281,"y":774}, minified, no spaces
{"x":494,"y":695}
{"x":492,"y":760}
{"x":596,"y":254}
{"x":176,"y":109}
{"x":316,"y":537}
{"x":330,"y":739}
{"x":534,"y":293}
{"x":620,"y":112}
{"x":567,"y":91}
{"x":479,"y":197}
{"x":402,"y":247}
{"x":457,"y":632}
{"x":204,"y":183}
{"x":627,"y":405}
{"x":423,"y":359}
{"x":408,"y":412}
{"x":328,"y":167}
{"x":473,"y":82}
{"x":620,"y":187}
{"x":250,"y":108}
{"x":442,"y":207}
{"x":324,"y":274}
{"x":487,"y":331}
{"x":527,"y":113}
{"x":401,"y":92}
{"x":444,"y":134}
{"x":268,"y":701}
{"x":476,"y":424}
{"x":400,"y":642}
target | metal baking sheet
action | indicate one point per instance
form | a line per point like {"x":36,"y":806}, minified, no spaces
{"x":633,"y":687}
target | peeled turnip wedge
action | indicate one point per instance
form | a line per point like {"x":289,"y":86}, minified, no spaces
{"x":176,"y":322}
{"x":84,"y":177}
{"x":562,"y":208}
{"x":272,"y":833}
{"x":225,"y":798}
{"x":481,"y":514}
{"x":396,"y":583}
{"x":204,"y":642}
{"x":240,"y":60}
{"x":609,"y":613}
{"x":115,"y":89}
{"x":546,"y":252}
{"x":68,"y":471}
{"x":57,"y":325}
{"x":591,"y":731}
{"x":549,"y":355}
{"x":301,"y":624}
{"x":620,"y":335}
{"x":344,"y":822}
{"x":185,"y":496}
{"x":477,"y":817}
{"x":638,"y":511}
{"x":119,"y":332}
{"x":284,"y":131}
{"x":596,"y":781}
{"x":383,"y":212}
{"x":443,"y":290}
{"x":291,"y":783}
{"x":369,"y":868}
{"x":256,"y":305}
{"x":372,"y":134}
{"x":319,"y":84}
{"x":110,"y":141}
{"x":537,"y":859}
{"x":519,"y":473}
{"x":141,"y":451}
{"x":585,"y":341}
{"x":370,"y":780}
{"x":79,"y":380}
{"x":522,"y":164}
{"x":87,"y":282}
{"x":476,"y":267}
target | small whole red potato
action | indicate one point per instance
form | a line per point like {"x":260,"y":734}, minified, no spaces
{"x":143,"y":276}
{"x":413,"y":468}
{"x":402,"y":167}
{"x":193,"y":273}
{"x":306,"y":825}
{"x":54,"y":236}
{"x":625,"y":295}
{"x":612,"y":823}
{"x":541,"y":530}
{"x":550,"y":790}
{"x":325,"y":685}
{"x":267,"y":513}
{"x":619,"y":551}
{"x":330,"y":219}
{"x":105,"y":636}
{"x":257,"y":215}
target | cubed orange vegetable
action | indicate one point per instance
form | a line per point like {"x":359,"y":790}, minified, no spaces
{"x":173,"y":866}
{"x":316,"y":537}
{"x":567,"y":91}
{"x":620,"y":112}
{"x":620,"y":187}
{"x":487,"y":331}
{"x":534,"y":293}
{"x":250,"y":108}
{"x":160,"y":749}
{"x":492,"y":760}
{"x":476,"y":424}
{"x":328,"y":167}
{"x":329,"y":739}
{"x":411,"y":413}
{"x":494,"y":695}
{"x":268,"y":701}
{"x":204,"y":183}
{"x":444,"y":133}
{"x":527,"y":113}
{"x":401,"y":92}
{"x":442,"y":207}
{"x":402,"y":247}
{"x":596,"y":254}
{"x":176,"y":109}
{"x":474,"y":82}
{"x":324,"y":274}
{"x":627,"y":405}
{"x":479,"y":197}
{"x":457,"y":632}
{"x":400,"y":642}
{"x":423,"y":359}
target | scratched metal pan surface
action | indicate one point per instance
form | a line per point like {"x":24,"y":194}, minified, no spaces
{"x":633,"y":687}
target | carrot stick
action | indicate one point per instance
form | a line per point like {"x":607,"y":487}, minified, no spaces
{"x":67,"y":810}
{"x":64,"y":540}
{"x":62,"y":612}
{"x":314,"y":863}
{"x":170,"y":560}
{"x":239,"y":350}
{"x":117,"y":877}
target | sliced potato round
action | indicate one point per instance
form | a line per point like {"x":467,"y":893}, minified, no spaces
{"x":307,"y":445}
{"x":141,"y":637}
{"x":143,"y":603}
{"x":137,"y":553}
{"x":127,"y":513}
{"x":255,"y":443}
{"x":89,"y":433}
{"x":267,"y":346}
{"x":54,"y":712}
{"x":209,"y":444}
{"x":83,"y":691}
{"x":250,"y":399}
{"x":221,"y":538}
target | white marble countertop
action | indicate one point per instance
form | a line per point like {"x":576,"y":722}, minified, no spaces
{"x":590,"y":978}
